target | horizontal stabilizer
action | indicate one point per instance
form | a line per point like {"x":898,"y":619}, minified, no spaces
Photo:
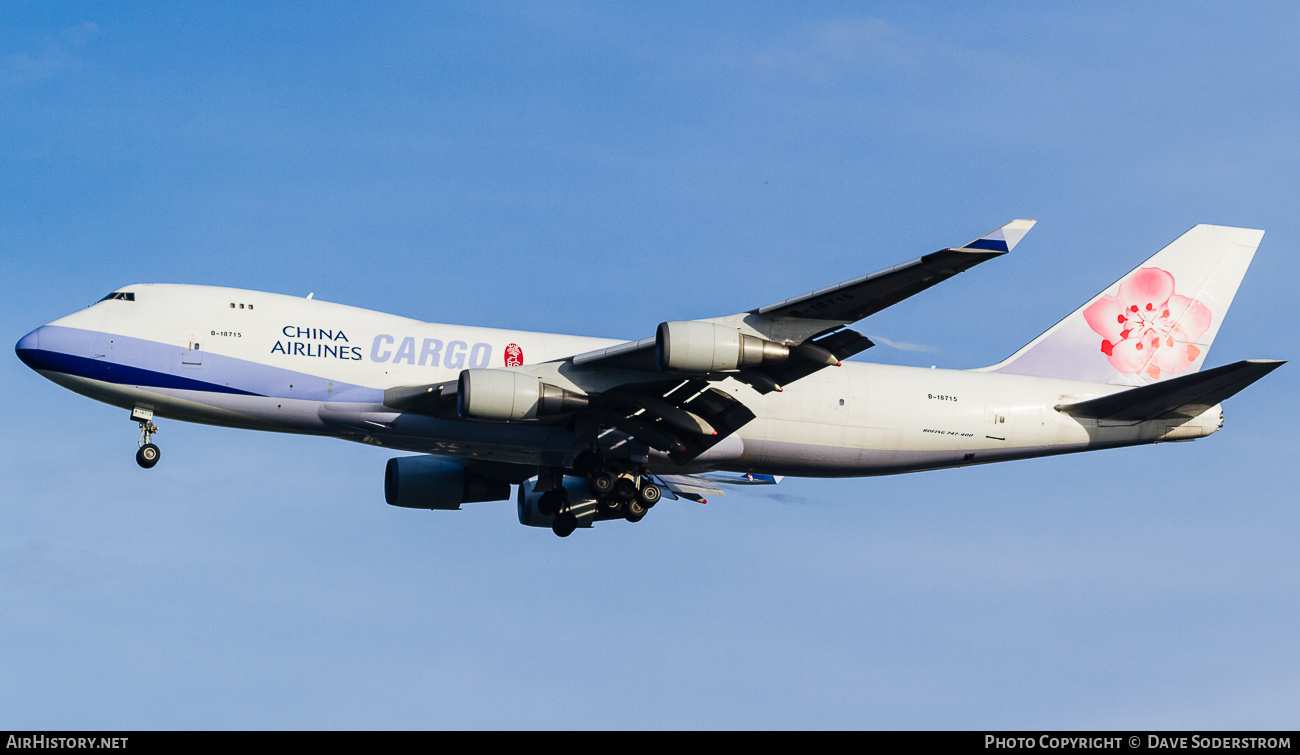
{"x":1202,"y":389}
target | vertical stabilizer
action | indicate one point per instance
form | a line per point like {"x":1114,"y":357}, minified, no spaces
{"x":1156,"y":322}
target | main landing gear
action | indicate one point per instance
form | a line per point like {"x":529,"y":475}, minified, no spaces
{"x":621,"y":492}
{"x":555,"y":503}
{"x":148,"y":454}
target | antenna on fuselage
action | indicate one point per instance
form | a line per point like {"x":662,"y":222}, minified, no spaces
{"x":313,"y":293}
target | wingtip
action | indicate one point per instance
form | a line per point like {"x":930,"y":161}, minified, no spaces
{"x":1003,"y":238}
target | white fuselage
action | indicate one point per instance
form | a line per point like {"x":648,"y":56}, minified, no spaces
{"x":273,"y":362}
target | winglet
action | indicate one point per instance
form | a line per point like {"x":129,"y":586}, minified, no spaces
{"x":1003,"y":239}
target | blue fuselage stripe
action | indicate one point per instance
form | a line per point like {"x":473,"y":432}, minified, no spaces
{"x":123,"y":360}
{"x":108,"y":372}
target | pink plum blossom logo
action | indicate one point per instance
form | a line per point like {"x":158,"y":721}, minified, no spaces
{"x":1148,"y":328}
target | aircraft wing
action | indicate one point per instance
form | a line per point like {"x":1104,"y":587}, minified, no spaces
{"x":682,"y":418}
{"x":855,"y":299}
{"x":808,"y":356}
{"x":658,"y":390}
{"x":808,"y":323}
{"x":674,"y":410}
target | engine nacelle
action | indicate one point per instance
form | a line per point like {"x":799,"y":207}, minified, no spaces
{"x":701,"y":347}
{"x":581,"y":502}
{"x":505,"y":395}
{"x":432,"y":482}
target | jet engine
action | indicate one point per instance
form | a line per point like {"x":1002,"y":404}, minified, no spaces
{"x":701,"y":347}
{"x":432,"y":482}
{"x":504,"y":395}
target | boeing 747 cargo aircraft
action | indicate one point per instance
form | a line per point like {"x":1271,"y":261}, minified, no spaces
{"x":594,"y":429}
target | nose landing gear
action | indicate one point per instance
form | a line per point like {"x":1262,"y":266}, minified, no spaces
{"x":148,"y":454}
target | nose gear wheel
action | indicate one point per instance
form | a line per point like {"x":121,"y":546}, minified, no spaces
{"x":149,"y":453}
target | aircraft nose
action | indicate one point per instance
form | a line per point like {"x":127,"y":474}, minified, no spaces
{"x":29,"y":347}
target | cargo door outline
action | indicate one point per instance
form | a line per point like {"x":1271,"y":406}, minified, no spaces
{"x":996,"y":421}
{"x":191,"y":352}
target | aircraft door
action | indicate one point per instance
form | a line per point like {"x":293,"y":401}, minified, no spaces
{"x":997,"y":421}
{"x":191,"y":352}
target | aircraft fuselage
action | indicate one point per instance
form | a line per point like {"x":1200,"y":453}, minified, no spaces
{"x":266,"y":361}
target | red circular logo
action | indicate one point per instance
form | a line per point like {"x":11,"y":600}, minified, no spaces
{"x":514,"y":355}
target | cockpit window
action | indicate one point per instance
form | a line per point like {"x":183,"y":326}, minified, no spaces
{"x":123,"y":295}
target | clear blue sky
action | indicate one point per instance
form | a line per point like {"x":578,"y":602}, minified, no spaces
{"x":598,"y":168}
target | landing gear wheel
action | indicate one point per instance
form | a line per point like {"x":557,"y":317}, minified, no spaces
{"x":649,"y":494}
{"x":550,"y":502}
{"x":633,"y":510}
{"x":147,"y":456}
{"x":625,"y":488}
{"x":602,"y":484}
{"x":564,"y":524}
